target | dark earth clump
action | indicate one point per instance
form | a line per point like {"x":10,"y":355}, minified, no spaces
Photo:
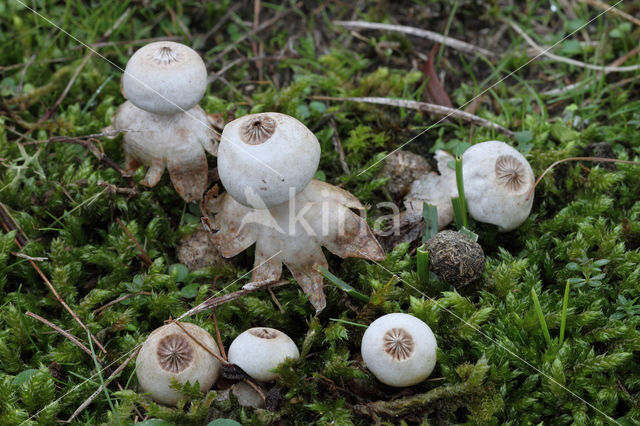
{"x":402,"y":168}
{"x":197,"y":252}
{"x":455,"y":258}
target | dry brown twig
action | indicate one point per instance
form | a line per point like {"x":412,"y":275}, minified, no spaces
{"x":594,"y":159}
{"x":569,"y":61}
{"x":205,"y":347}
{"x":338,"y":147}
{"x":418,"y":32}
{"x":75,"y":75}
{"x":136,"y":42}
{"x":100,"y":389}
{"x":266,"y":24}
{"x":215,"y":301}
{"x":612,"y":10}
{"x":98,"y":311}
{"x":143,"y":254}
{"x":621,"y":60}
{"x":426,"y":107}
{"x":218,"y":337}
{"x":75,"y":341}
{"x":89,"y":143}
{"x":10,"y":225}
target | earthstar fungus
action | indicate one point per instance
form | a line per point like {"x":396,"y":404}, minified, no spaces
{"x":399,"y":349}
{"x":164,"y":126}
{"x":497,"y":181}
{"x":170,"y":352}
{"x":268,"y":155}
{"x":260,"y":349}
{"x":288,"y":215}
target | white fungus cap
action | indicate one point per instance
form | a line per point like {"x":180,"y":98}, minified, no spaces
{"x":399,"y":349}
{"x":497,"y":181}
{"x":258,"y":350}
{"x":165,"y":78}
{"x":268,"y":157}
{"x":169,"y":353}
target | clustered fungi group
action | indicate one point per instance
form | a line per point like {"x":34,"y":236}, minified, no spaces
{"x":266,"y":163}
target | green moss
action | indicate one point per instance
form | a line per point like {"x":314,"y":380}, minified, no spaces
{"x":494,"y":364}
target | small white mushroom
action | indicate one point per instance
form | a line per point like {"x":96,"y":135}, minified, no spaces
{"x":169,"y":353}
{"x":269,"y":155}
{"x":399,"y":349}
{"x":259,"y":350}
{"x":163,"y":125}
{"x":497,"y":182}
{"x":165,"y":78}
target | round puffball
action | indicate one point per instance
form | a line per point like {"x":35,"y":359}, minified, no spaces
{"x":169,"y":353}
{"x":497,"y":181}
{"x":165,"y":78}
{"x":399,"y":349}
{"x":265,"y":158}
{"x":261,"y":349}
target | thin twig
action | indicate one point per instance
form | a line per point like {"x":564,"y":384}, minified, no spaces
{"x":53,"y":290}
{"x":79,"y":344}
{"x":418,"y":32}
{"x":216,"y":301}
{"x":337,"y":144}
{"x":75,"y":139}
{"x":216,"y":75}
{"x":11,"y":224}
{"x":218,"y":337}
{"x":203,"y":346}
{"x":612,"y":10}
{"x":148,"y":40}
{"x":263,"y":26}
{"x":569,"y":61}
{"x":24,"y":73}
{"x":594,"y":159}
{"x":222,"y":21}
{"x":99,"y":310}
{"x":275,"y":300}
{"x":619,"y":61}
{"x":76,"y":73}
{"x":100,"y":389}
{"x":112,"y":189}
{"x":256,"y":387}
{"x":256,"y":47}
{"x":73,"y":339}
{"x":143,"y":254}
{"x":86,"y":141}
{"x":426,"y":107}
{"x":35,"y":259}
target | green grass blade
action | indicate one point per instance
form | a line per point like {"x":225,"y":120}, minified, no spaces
{"x":430,"y":215}
{"x":543,"y":322}
{"x":104,"y":387}
{"x":565,"y":304}
{"x":348,"y":322}
{"x":343,"y":285}
{"x":422,"y":262}
{"x":460,"y":211}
